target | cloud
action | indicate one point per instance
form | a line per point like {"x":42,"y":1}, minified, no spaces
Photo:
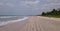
{"x":51,"y":5}
{"x":10,"y":5}
{"x":28,"y":5}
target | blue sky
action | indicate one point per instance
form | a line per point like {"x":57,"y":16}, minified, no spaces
{"x":27,"y":7}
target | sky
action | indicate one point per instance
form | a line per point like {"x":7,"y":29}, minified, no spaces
{"x":27,"y":7}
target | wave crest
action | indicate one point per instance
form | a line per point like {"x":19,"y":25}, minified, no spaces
{"x":4,"y":23}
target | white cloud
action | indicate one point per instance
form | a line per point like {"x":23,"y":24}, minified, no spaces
{"x":10,"y":5}
{"x":1,"y":4}
{"x":51,"y":5}
{"x":29,"y":3}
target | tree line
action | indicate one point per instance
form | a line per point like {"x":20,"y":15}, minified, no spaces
{"x":54,"y":12}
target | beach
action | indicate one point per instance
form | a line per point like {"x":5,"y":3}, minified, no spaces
{"x":34,"y":23}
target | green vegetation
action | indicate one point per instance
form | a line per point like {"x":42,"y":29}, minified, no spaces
{"x":53,"y":13}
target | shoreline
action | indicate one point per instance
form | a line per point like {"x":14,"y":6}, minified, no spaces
{"x":13,"y":21}
{"x":17,"y":26}
{"x":13,"y":26}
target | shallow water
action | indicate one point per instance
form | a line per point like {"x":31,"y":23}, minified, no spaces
{"x":10,"y":19}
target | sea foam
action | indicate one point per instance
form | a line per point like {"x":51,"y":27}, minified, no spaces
{"x":7,"y":16}
{"x":4,"y":23}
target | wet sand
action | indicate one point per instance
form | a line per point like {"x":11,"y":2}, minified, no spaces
{"x":34,"y":23}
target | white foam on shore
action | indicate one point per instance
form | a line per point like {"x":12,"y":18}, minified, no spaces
{"x":7,"y":16}
{"x":4,"y":23}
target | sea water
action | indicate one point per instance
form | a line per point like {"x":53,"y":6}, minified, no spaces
{"x":4,"y":20}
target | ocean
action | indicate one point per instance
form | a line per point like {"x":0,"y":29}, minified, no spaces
{"x":4,"y":20}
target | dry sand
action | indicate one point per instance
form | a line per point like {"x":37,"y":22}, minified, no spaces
{"x":51,"y":18}
{"x":34,"y":23}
